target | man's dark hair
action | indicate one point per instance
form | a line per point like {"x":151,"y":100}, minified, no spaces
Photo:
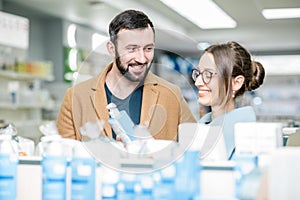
{"x":129,"y":19}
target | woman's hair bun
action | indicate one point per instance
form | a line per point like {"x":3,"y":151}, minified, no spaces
{"x":258,"y":76}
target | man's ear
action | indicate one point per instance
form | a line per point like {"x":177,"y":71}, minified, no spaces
{"x":237,"y":82}
{"x":111,"y":49}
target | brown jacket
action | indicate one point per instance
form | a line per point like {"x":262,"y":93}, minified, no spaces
{"x":163,"y":107}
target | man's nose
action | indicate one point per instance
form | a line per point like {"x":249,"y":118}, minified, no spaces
{"x":141,"y":56}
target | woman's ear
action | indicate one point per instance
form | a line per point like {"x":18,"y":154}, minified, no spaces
{"x":111,"y":49}
{"x":237,"y":82}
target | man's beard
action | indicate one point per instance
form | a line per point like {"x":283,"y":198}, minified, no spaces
{"x":125,"y":71}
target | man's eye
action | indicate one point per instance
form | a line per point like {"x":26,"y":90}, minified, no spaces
{"x":149,"y":49}
{"x":131,"y":49}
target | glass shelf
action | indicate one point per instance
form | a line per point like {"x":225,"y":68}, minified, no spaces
{"x":19,"y":76}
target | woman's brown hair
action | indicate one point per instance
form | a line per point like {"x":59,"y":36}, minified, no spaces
{"x":233,"y":60}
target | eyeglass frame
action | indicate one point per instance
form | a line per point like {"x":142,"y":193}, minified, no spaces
{"x":195,"y":76}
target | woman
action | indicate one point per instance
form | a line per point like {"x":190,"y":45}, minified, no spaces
{"x":225,"y":72}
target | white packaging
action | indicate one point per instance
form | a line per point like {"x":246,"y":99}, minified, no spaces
{"x":284,"y":174}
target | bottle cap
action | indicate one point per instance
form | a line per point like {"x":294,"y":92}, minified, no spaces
{"x":55,"y":149}
{"x":113,"y":110}
{"x":80,"y":151}
{"x":6,"y":145}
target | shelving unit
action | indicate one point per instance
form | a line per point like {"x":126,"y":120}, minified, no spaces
{"x":25,"y":77}
{"x":24,"y":110}
{"x":279,"y":99}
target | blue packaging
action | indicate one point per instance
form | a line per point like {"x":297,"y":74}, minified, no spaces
{"x":187,"y":180}
{"x":54,"y":170}
{"x":121,"y":123}
{"x":8,"y":177}
{"x":144,"y":187}
{"x":117,"y":126}
{"x":125,"y":122}
{"x":164,"y":183}
{"x":126,"y":187}
{"x":245,"y":164}
{"x":109,"y":184}
{"x":83,"y":178}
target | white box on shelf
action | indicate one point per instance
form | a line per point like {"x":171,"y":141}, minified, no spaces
{"x":257,"y":138}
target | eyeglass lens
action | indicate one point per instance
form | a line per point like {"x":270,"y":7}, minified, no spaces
{"x":205,"y":75}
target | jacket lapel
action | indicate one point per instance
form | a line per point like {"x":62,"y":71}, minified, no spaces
{"x":150,"y":98}
{"x":99,"y":100}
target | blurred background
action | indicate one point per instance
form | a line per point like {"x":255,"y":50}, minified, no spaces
{"x":47,"y":46}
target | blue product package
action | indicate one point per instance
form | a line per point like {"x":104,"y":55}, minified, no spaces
{"x":121,"y":123}
{"x":54,"y":170}
{"x":245,"y":164}
{"x":144,"y":187}
{"x":126,"y":187}
{"x":8,"y":177}
{"x":83,"y":178}
{"x":187,"y":180}
{"x":126,"y":122}
{"x":109,"y":184}
{"x":164,"y":183}
{"x":123,"y":126}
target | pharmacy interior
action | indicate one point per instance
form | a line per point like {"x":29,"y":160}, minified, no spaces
{"x":42,"y":55}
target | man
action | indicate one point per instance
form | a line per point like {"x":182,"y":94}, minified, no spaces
{"x":127,"y":82}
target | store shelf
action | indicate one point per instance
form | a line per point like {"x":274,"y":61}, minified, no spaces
{"x":26,"y":123}
{"x":25,"y":110}
{"x":19,"y":76}
{"x":9,"y":106}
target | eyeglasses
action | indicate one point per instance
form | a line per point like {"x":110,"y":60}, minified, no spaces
{"x":206,"y":75}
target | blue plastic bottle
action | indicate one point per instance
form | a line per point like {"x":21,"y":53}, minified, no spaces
{"x":8,"y":169}
{"x":144,"y":187}
{"x":109,"y":184}
{"x":83,"y":174}
{"x":187,"y":181}
{"x":245,"y":164}
{"x":121,"y":123}
{"x":126,"y":187}
{"x":164,"y":182}
{"x":54,"y":169}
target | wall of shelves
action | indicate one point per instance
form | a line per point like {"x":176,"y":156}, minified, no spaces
{"x":25,"y":109}
{"x":24,"y":69}
{"x":279,"y":99}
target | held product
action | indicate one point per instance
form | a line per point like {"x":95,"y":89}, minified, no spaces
{"x":120,"y":123}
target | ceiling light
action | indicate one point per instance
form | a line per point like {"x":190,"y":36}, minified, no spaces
{"x":272,"y":63}
{"x":281,"y":13}
{"x":205,"y":13}
{"x":96,"y":4}
{"x":71,"y":35}
{"x":73,"y":59}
